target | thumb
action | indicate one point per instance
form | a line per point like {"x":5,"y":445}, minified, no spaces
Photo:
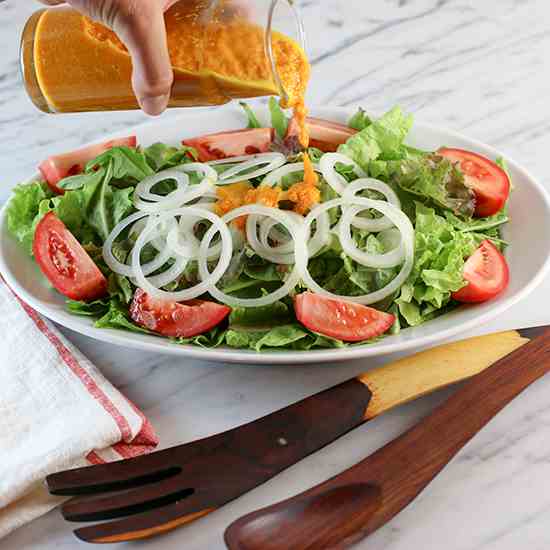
{"x":140,"y":25}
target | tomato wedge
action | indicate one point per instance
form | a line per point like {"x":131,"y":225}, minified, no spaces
{"x":232,"y":144}
{"x":326,"y":135}
{"x":487,"y":274}
{"x":57,"y":167}
{"x":488,"y":180}
{"x":176,"y":319}
{"x":340,"y":319}
{"x":65,"y":263}
{"x":323,"y":134}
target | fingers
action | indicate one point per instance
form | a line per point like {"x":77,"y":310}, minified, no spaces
{"x":140,"y":25}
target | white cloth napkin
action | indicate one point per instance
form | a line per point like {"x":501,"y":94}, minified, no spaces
{"x":57,"y":411}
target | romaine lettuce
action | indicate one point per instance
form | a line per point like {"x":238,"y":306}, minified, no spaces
{"x":380,"y":140}
{"x":440,"y":252}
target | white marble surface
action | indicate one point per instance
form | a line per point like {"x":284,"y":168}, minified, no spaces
{"x":478,"y":67}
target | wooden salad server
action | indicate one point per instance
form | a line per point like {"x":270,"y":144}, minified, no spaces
{"x":172,"y":487}
{"x":353,"y":504}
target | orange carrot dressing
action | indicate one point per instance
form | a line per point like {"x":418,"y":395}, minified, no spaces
{"x":305,"y":195}
{"x":82,"y":65}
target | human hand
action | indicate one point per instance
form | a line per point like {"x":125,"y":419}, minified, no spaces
{"x":140,"y":26}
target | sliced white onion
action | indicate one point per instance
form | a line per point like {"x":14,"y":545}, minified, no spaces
{"x":266,"y":163}
{"x":158,"y":242}
{"x":390,"y":238}
{"x":372,"y":224}
{"x":192,"y":244}
{"x":126,"y":270}
{"x":327,"y":165}
{"x":276,"y":176}
{"x":186,"y":249}
{"x":205,"y":188}
{"x":266,"y":253}
{"x":156,"y":203}
{"x":163,"y":229}
{"x":210,"y":279}
{"x":284,"y":253}
{"x":184,"y":193}
{"x":171,"y":274}
{"x":402,"y":223}
{"x":202,"y":168}
{"x":300,"y":251}
{"x":322,"y":234}
{"x":377,"y":261}
{"x":235,"y":160}
{"x":268,"y":229}
{"x":138,"y":227}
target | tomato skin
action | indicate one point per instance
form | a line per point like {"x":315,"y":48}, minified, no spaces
{"x":233,"y":143}
{"x":65,"y":263}
{"x":57,"y":167}
{"x":488,"y":180}
{"x":323,"y":134}
{"x":175,"y":319}
{"x":487,"y":274}
{"x":340,"y":319}
{"x":326,"y":135}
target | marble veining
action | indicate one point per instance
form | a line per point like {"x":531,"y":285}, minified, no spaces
{"x":476,"y":67}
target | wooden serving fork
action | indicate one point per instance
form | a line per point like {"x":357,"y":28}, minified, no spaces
{"x":175,"y":486}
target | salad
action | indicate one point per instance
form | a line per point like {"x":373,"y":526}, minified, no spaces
{"x":244,"y":239}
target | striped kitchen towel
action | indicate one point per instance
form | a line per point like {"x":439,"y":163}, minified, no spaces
{"x":57,"y":411}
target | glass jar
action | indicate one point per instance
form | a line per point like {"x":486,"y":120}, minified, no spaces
{"x":220,"y":50}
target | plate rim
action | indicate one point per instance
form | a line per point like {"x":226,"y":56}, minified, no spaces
{"x":231,"y":355}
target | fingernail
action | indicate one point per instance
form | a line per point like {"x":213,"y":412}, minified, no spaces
{"x":154,"y":105}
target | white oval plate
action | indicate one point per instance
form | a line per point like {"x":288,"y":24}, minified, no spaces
{"x":528,"y":254}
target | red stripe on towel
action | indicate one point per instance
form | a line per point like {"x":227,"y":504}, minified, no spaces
{"x":93,"y":458}
{"x":144,"y":441}
{"x":89,"y":383}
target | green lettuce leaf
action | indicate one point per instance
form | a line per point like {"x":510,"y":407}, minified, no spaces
{"x":80,"y":180}
{"x":263,"y":271}
{"x":380,"y":140}
{"x":97,"y":308}
{"x":291,"y":336}
{"x":119,"y":287}
{"x":440,"y":253}
{"x":161,"y":156}
{"x":260,"y":318}
{"x":95,"y":208}
{"x":338,"y":273}
{"x":314,"y":154}
{"x":479,"y":224}
{"x":360,"y":120}
{"x":23,"y":211}
{"x":211,"y":339}
{"x":279,"y":121}
{"x":434,"y":178}
{"x":126,"y":163}
{"x":117,"y":317}
{"x":253,"y":121}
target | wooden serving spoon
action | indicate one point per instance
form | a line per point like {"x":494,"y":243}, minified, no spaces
{"x":353,"y":504}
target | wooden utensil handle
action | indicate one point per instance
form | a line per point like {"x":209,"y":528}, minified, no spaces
{"x":406,"y":465}
{"x":435,"y":368}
